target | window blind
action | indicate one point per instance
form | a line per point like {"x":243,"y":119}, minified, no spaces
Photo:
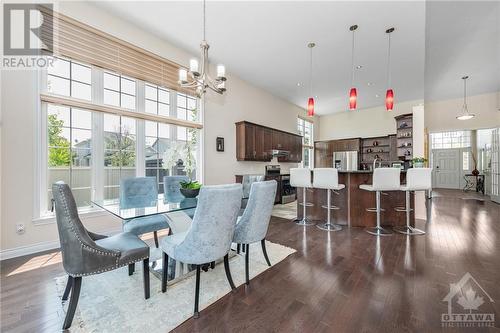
{"x":81,"y":42}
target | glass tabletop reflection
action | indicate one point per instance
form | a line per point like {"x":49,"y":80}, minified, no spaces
{"x":158,"y":206}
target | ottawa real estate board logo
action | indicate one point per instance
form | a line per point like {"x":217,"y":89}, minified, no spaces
{"x":469,"y":305}
{"x":27,"y":35}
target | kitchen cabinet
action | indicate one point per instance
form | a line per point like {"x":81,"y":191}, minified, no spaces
{"x":255,"y":142}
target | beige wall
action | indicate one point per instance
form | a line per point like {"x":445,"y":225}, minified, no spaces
{"x":19,"y":98}
{"x":441,"y":115}
{"x":362,"y":123}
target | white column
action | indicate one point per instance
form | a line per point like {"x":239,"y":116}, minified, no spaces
{"x":418,"y":151}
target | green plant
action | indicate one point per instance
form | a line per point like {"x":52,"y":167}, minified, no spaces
{"x":419,"y":160}
{"x":192,"y":185}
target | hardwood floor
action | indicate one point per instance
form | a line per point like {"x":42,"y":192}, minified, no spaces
{"x":348,"y":281}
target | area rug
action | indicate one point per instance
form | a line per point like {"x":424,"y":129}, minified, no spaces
{"x":114,"y":301}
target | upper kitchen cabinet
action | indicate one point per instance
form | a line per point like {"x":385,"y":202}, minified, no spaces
{"x":255,"y":143}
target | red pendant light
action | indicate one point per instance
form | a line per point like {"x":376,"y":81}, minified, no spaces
{"x":310,"y":101}
{"x":389,"y":100}
{"x":389,"y":95}
{"x":353,"y":96}
{"x":353,"y":93}
{"x":310,"y":107}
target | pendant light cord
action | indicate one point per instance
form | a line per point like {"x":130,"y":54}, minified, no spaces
{"x":204,"y":24}
{"x":310,"y":72}
{"x":352,"y":60}
{"x":389,"y":64}
{"x":465,"y":96}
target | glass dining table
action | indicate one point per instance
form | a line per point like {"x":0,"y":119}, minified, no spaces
{"x":179,"y":216}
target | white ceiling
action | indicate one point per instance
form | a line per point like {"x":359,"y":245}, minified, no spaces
{"x":265,"y":44}
{"x":462,"y":38}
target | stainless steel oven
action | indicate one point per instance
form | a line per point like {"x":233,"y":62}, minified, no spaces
{"x":285,"y":193}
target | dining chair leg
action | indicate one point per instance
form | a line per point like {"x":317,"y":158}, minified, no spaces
{"x":69,"y":284}
{"x":164,"y":274}
{"x":155,"y":234}
{"x":73,"y":302}
{"x":145,"y":276}
{"x":238,"y":246}
{"x":212,"y":265}
{"x":247,"y":257}
{"x":263,"y":243}
{"x":131,"y":269}
{"x":197,"y":292}
{"x":228,"y":272}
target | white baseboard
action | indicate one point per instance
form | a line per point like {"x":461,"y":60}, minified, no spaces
{"x":28,"y":249}
{"x":39,"y":247}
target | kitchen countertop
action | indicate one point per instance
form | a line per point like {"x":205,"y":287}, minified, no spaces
{"x":362,"y":171}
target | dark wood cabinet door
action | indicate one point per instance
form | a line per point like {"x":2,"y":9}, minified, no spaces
{"x":298,"y":145}
{"x":322,"y":154}
{"x":277,"y":140}
{"x":268,"y":143}
{"x":250,"y":152}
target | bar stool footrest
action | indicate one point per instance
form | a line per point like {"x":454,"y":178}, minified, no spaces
{"x":378,"y":231}
{"x":402,"y":209}
{"x":332,"y":207}
{"x":304,"y":222}
{"x":329,"y":227}
{"x":408,"y":230}
{"x":307,"y":204}
{"x":374,"y":210}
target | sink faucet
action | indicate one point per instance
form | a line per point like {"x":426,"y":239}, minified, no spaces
{"x":375,"y":163}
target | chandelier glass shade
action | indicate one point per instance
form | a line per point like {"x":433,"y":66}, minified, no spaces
{"x":198,"y":76}
{"x":389,"y":100}
{"x":310,"y":107}
{"x":353,"y":96}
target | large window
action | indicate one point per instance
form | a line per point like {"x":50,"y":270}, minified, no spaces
{"x":69,"y":78}
{"x":447,"y":140}
{"x":69,"y":151}
{"x":306,"y":129}
{"x":93,"y":151}
{"x":119,"y":90}
{"x":119,"y":152}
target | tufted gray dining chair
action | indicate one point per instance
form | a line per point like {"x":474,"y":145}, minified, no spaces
{"x":85,"y":253}
{"x":210,"y":235}
{"x":139,"y":192}
{"x":252,"y":226}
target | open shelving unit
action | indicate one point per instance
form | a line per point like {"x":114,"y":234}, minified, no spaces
{"x":404,"y":137}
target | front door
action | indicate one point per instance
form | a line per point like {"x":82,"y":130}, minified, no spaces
{"x":446,"y":168}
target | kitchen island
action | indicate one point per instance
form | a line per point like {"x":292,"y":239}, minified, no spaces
{"x":353,"y":202}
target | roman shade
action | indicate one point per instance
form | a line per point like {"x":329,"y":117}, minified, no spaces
{"x":82,"y":42}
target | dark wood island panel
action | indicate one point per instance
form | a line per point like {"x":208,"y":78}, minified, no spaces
{"x":353,"y":202}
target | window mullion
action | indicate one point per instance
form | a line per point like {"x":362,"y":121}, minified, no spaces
{"x":140,"y":142}
{"x":97,"y":135}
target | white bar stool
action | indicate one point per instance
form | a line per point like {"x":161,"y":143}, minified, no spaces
{"x":417,"y":179}
{"x":328,"y":178}
{"x":384,"y":179}
{"x":301,"y":177}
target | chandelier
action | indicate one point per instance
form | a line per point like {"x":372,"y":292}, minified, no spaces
{"x":198,"y":77}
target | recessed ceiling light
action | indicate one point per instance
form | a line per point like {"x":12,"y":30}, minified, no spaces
{"x":298,"y":84}
{"x":316,"y":96}
{"x":359,"y":66}
{"x":377,"y":95}
{"x":369,"y":84}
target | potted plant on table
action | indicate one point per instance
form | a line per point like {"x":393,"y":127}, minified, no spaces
{"x":418,"y":162}
{"x":190,"y":189}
